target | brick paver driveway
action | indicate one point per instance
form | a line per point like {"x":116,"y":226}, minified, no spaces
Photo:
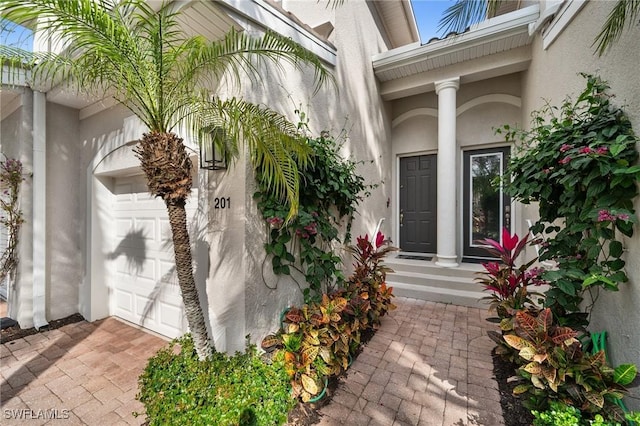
{"x":82,"y":373}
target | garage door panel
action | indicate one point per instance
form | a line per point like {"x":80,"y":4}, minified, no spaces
{"x":123,"y":227}
{"x":147,"y":227}
{"x":145,"y":308}
{"x":168,"y":272}
{"x":124,"y":301}
{"x":145,"y":287}
{"x":170,"y":315}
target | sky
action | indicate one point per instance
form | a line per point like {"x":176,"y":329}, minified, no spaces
{"x":427,"y":12}
{"x":15,"y":35}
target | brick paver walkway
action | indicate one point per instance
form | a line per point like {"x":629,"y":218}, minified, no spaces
{"x":429,"y":364}
{"x":82,"y":373}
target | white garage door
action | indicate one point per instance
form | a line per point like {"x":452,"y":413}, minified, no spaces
{"x":144,"y":288}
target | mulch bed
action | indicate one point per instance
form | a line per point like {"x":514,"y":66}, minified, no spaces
{"x":515,"y":414}
{"x":15,"y":332}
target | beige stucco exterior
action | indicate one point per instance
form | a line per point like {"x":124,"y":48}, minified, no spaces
{"x":553,"y":73}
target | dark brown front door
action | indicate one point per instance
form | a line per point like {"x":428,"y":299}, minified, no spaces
{"x":418,"y":204}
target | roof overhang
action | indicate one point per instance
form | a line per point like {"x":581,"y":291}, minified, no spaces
{"x":494,"y":47}
{"x":212,"y":20}
{"x":398,"y":21}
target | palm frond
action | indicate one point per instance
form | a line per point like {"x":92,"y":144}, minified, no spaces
{"x":459,"y":16}
{"x":275,"y":145}
{"x":143,"y":58}
{"x":240,"y":55}
{"x":624,"y":14}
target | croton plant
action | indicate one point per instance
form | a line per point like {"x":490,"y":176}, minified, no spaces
{"x":318,"y":339}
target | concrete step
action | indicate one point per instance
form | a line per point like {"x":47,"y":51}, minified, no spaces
{"x":467,"y":270}
{"x":427,"y":281}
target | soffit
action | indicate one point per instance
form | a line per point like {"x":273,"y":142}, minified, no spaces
{"x":398,"y":21}
{"x":494,"y":36}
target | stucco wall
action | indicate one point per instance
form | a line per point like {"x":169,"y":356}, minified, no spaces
{"x":64,"y":212}
{"x":354,"y":106}
{"x":551,"y":76}
{"x":17,"y":142}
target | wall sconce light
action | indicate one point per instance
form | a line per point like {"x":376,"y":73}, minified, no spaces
{"x":212,"y":154}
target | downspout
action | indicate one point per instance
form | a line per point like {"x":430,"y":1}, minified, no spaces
{"x":39,"y":209}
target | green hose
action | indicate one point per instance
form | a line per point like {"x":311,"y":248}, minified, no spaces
{"x":599,"y":340}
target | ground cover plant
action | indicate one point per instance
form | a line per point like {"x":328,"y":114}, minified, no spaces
{"x":176,"y":388}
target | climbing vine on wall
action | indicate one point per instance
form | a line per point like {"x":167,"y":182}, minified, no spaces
{"x":11,"y":216}
{"x":578,"y":162}
{"x":330,"y":191}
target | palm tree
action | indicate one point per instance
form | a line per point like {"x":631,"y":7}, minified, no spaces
{"x":144,"y":59}
{"x":463,"y":13}
{"x":624,"y":14}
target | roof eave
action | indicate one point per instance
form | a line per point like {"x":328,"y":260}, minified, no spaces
{"x":511,"y":25}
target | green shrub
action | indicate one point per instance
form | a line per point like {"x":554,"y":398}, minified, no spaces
{"x":579,"y":163}
{"x":560,"y":414}
{"x":178,"y":389}
{"x":330,"y":192}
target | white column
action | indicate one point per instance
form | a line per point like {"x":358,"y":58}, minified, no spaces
{"x":447,"y":167}
{"x":39,"y":209}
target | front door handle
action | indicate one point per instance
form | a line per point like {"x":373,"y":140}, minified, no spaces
{"x":401,"y":217}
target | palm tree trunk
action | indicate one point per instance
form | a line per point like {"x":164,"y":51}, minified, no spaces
{"x":184,"y":268}
{"x":165,"y":162}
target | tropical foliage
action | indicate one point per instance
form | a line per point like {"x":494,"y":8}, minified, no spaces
{"x":625,"y":14}
{"x":558,"y":369}
{"x":178,"y":389}
{"x":330,"y":191}
{"x":578,"y":162}
{"x":552,"y":363}
{"x":509,"y":286}
{"x":507,"y":282}
{"x":318,"y":340}
{"x":138,"y":53}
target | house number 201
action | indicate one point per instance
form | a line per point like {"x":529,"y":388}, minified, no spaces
{"x":222,"y":203}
